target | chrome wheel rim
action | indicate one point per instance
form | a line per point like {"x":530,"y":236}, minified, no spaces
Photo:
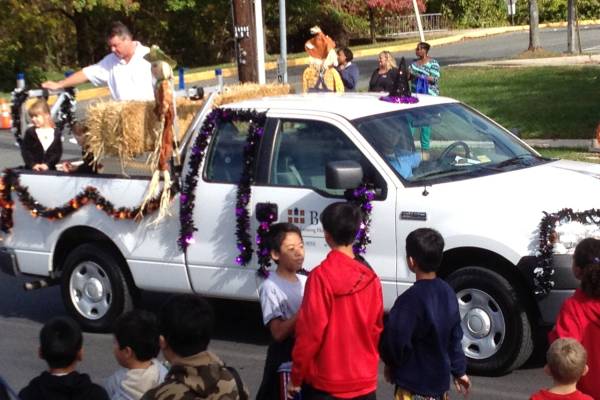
{"x":90,"y":290}
{"x":482,"y":322}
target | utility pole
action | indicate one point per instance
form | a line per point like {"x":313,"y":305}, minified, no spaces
{"x":571,"y":26}
{"x":282,"y":72}
{"x":245,"y":40}
{"x":418,"y":17}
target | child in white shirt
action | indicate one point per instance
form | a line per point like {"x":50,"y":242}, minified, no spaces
{"x":280,"y":298}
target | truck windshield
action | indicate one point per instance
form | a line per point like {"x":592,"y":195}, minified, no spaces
{"x":446,"y":141}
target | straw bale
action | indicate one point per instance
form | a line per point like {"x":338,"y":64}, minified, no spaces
{"x":129,"y":128}
{"x":246,"y":91}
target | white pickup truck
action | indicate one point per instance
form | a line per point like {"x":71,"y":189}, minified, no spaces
{"x":485,"y":190}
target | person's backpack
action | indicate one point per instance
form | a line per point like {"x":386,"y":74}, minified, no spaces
{"x":6,"y":392}
{"x":243,"y":395}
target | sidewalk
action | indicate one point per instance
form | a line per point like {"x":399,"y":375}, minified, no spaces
{"x":539,"y":62}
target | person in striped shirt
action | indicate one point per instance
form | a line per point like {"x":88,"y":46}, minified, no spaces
{"x":426,"y":69}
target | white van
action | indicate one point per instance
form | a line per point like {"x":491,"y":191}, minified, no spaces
{"x":485,"y":190}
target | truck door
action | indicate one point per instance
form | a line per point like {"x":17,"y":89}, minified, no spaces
{"x":211,"y":258}
{"x":294,"y":179}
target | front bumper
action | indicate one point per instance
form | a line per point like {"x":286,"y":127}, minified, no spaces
{"x":8,"y":262}
{"x":564,"y":285}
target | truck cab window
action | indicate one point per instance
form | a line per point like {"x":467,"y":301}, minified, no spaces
{"x":226,"y":153}
{"x":302,"y":151}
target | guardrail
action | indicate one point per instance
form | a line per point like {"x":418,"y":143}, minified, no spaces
{"x":402,"y":25}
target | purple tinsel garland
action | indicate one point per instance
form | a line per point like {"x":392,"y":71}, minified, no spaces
{"x":244,"y":190}
{"x":197,"y":153}
{"x":363,"y":196}
{"x":544,"y":271}
{"x":397,"y":99}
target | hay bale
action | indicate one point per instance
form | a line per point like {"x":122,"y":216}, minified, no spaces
{"x":127,"y":129}
{"x":246,"y":91}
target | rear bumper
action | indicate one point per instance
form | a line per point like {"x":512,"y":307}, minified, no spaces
{"x":8,"y":262}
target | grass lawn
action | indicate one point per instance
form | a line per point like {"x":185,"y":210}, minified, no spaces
{"x":571,"y":154}
{"x":541,"y":102}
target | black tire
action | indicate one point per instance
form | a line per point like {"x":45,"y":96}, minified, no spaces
{"x":497,"y":332}
{"x":93,"y":287}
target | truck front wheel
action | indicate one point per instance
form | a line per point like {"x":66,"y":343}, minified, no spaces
{"x":93,"y":287}
{"x":497,"y":335}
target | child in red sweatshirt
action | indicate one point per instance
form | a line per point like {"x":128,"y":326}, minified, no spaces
{"x":340,"y":320}
{"x":579,"y":317}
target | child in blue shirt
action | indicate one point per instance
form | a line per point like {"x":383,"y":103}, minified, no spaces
{"x":421,"y":341}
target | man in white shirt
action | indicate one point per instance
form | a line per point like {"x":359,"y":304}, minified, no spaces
{"x":124,"y":70}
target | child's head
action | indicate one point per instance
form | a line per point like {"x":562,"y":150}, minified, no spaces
{"x":426,"y":248}
{"x":60,"y":342}
{"x":287,"y":246}
{"x":566,"y":361}
{"x":341,"y":222}
{"x":136,"y":337}
{"x":586,"y":266}
{"x":185,"y":324}
{"x":39,"y":112}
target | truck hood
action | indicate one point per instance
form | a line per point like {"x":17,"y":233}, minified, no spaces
{"x":506,"y":208}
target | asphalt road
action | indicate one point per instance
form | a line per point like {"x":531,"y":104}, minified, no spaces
{"x":240,"y":340}
{"x":496,"y":47}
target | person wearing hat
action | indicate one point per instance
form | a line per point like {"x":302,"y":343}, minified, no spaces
{"x":124,"y":70}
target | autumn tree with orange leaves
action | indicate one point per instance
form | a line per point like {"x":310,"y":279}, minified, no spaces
{"x":370,"y":8}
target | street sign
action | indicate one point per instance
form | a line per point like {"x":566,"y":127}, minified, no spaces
{"x":511,"y":5}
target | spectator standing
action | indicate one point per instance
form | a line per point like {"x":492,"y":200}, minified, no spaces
{"x":383,"y":78}
{"x":280,"y":298}
{"x":61,"y":347}
{"x":426,"y":69}
{"x":565,"y":363}
{"x":348,"y":71}
{"x":421,"y":342}
{"x":136,"y":345}
{"x":579,"y":316}
{"x":340,"y":320}
{"x":42,"y":145}
{"x":124,"y":70}
{"x":185,"y":325}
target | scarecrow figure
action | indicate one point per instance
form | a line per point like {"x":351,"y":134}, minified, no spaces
{"x":162,"y":72}
{"x":321,"y":75}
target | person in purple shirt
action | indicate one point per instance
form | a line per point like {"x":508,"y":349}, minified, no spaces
{"x":348,"y":71}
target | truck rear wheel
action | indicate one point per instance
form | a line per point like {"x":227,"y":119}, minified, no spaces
{"x":497,"y":335}
{"x":94,"y":289}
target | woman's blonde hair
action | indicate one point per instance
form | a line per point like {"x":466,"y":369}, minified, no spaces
{"x":389,"y":60}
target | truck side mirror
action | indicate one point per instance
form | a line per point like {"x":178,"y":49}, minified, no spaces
{"x":343,"y":174}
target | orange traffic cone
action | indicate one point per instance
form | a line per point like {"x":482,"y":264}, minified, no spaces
{"x":5,"y":117}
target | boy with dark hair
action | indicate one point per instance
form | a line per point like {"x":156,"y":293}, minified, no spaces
{"x":421,"y":342}
{"x":61,"y":347}
{"x":280,"y":298}
{"x":341,"y":318}
{"x":135,"y":347}
{"x":185,"y":325}
{"x":566,"y":362}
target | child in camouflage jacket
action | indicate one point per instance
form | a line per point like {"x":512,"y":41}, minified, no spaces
{"x":196,"y":373}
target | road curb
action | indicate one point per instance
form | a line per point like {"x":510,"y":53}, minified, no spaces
{"x":88,"y":94}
